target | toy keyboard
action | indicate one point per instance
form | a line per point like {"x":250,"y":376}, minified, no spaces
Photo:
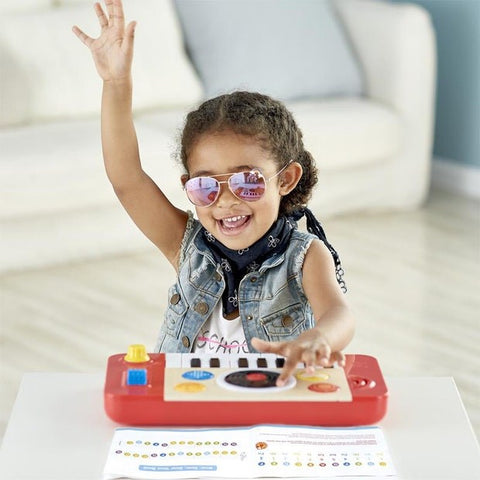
{"x":192,"y":389}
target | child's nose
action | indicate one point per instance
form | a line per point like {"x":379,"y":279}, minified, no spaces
{"x":226,"y":198}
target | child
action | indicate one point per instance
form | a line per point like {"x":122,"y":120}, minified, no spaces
{"x":246,"y":275}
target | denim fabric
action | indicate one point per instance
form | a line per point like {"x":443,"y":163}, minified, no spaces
{"x":272,"y":303}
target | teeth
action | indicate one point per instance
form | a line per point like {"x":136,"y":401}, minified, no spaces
{"x":234,"y":219}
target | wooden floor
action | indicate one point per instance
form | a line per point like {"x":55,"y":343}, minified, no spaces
{"x":413,"y":278}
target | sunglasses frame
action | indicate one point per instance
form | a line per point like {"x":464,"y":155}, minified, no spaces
{"x":255,"y":170}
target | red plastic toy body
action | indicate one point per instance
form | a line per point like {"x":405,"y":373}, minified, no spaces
{"x":141,"y":393}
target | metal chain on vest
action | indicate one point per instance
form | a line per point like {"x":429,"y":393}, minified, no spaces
{"x":314,"y":227}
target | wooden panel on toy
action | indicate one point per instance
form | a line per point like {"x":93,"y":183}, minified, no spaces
{"x":250,"y":377}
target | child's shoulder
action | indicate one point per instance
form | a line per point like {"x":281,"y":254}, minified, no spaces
{"x":302,"y":238}
{"x":299,"y":244}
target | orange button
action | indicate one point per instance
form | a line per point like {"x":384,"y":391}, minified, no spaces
{"x":323,"y":387}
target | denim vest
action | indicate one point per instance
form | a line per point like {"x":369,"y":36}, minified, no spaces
{"x":272,"y":303}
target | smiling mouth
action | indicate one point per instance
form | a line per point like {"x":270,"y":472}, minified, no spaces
{"x":233,"y":224}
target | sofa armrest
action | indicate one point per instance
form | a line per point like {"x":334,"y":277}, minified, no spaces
{"x":395,"y":44}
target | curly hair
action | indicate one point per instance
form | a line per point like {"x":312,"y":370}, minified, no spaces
{"x":266,"y":119}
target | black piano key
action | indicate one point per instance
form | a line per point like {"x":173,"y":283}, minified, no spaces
{"x":261,"y":362}
{"x":243,"y":362}
{"x":214,"y":362}
{"x":195,"y":362}
{"x":279,"y":362}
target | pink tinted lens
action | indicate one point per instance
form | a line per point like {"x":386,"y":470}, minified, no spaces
{"x":202,"y":191}
{"x":247,"y":186}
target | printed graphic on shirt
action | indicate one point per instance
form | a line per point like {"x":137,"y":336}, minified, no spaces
{"x":212,"y":343}
{"x":221,"y":336}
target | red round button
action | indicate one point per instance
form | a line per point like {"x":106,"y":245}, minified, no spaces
{"x":256,"y":377}
{"x":323,"y":387}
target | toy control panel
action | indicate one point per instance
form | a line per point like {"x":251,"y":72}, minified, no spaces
{"x":192,"y":389}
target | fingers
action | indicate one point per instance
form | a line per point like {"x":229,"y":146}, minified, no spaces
{"x":268,"y":347}
{"x":115,"y":18}
{"x":119,"y":16}
{"x":82,"y":36}
{"x":102,"y":18}
{"x":129,"y":37}
{"x":338,"y":357}
{"x":279,"y":348}
{"x":115,"y":13}
{"x":290,"y":365}
{"x":323,"y":355}
{"x":110,"y":9}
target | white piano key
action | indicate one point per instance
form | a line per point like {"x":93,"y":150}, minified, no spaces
{"x":173,"y":360}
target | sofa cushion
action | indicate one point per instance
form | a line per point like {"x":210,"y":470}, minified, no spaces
{"x":288,"y":49}
{"x":58,"y":167}
{"x":47,"y":73}
{"x":340,"y":133}
{"x":347,"y":132}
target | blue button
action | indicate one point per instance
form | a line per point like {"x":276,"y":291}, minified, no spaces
{"x":197,"y":375}
{"x":137,"y":376}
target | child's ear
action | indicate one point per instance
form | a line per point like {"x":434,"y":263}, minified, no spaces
{"x":290,"y":178}
{"x":184,"y":179}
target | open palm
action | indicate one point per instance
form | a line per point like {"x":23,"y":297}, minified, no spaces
{"x":113,"y":50}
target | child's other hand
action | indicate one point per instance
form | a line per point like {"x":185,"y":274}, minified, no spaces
{"x":309,"y":348}
{"x":113,"y":50}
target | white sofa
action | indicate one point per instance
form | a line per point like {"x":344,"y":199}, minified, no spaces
{"x":56,"y":205}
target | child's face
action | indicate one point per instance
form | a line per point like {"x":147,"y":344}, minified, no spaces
{"x":234,"y":222}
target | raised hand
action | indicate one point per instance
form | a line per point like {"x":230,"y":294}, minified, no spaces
{"x":309,"y":347}
{"x":112,"y":51}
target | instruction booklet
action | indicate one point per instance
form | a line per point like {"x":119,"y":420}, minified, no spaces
{"x":248,"y":452}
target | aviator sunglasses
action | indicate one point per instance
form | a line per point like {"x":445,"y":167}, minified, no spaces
{"x":248,"y":186}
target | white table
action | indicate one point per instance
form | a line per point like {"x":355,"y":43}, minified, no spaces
{"x":58,"y":430}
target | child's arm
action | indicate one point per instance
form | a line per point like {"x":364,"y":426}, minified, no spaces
{"x":323,"y":344}
{"x":148,"y":207}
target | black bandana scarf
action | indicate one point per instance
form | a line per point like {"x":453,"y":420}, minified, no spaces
{"x":237,"y":263}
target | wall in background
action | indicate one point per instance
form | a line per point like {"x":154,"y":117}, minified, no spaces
{"x":457,"y":126}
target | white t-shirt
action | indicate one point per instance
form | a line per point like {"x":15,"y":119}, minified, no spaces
{"x":221,"y":336}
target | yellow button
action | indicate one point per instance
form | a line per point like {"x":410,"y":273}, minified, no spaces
{"x":190,"y":387}
{"x":136,"y":354}
{"x":312,"y":377}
